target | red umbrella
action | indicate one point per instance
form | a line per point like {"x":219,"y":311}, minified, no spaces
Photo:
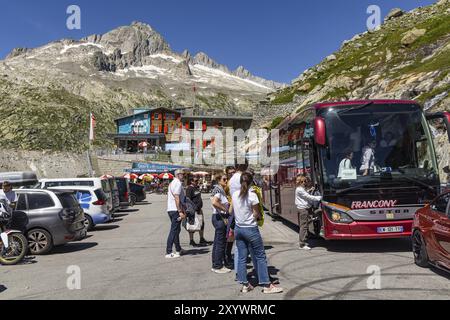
{"x":166,"y":176}
{"x":131,"y":176}
{"x":106,"y":176}
{"x":143,"y":144}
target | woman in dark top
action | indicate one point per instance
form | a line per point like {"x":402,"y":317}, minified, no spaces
{"x":193,"y":192}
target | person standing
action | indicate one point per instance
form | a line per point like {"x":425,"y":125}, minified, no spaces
{"x":8,"y":193}
{"x":304,"y":202}
{"x":175,"y":197}
{"x":346,"y":163}
{"x":193,"y":193}
{"x":229,"y":172}
{"x":220,"y":219}
{"x":368,"y":158}
{"x":248,"y":237}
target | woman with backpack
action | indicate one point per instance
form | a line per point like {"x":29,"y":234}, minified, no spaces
{"x":221,"y":207}
{"x":247,"y":213}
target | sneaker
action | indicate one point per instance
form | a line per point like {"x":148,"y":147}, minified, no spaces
{"x":221,"y":271}
{"x":247,"y":288}
{"x":204,"y":243}
{"x":172,"y":256}
{"x":305,"y":247}
{"x":272,"y":290}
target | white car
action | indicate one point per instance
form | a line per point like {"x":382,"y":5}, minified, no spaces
{"x":93,"y":201}
{"x":71,"y":183}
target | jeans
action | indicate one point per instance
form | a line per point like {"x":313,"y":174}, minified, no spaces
{"x":250,"y":240}
{"x":174,"y":235}
{"x":220,"y":242}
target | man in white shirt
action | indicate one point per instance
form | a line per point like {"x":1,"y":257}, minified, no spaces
{"x":368,"y":158}
{"x":346,"y":163}
{"x":175,"y":197}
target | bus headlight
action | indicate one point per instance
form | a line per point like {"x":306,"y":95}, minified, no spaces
{"x":338,"y":216}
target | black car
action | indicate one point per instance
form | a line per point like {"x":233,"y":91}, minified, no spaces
{"x":137,"y":193}
{"x":124,"y":192}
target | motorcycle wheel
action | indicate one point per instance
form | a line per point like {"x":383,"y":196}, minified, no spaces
{"x":18,"y":246}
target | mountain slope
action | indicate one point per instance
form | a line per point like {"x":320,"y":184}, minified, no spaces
{"x":47,"y":93}
{"x":407,"y":58}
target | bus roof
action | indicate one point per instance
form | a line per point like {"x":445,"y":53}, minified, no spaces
{"x":324,"y":105}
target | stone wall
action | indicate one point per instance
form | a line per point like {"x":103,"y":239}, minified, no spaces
{"x":45,"y":163}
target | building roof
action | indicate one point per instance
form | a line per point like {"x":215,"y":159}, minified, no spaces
{"x":145,"y":111}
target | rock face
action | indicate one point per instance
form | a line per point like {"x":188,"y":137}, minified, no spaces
{"x":47,"y":92}
{"x":411,"y":36}
{"x":407,"y":58}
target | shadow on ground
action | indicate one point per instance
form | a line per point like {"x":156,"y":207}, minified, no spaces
{"x":196,"y":252}
{"x":106,"y":227}
{"x":74,"y":247}
{"x":143,"y":203}
{"x":129,"y":210}
{"x":119,"y":215}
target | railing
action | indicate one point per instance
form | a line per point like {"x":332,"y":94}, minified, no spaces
{"x":214,"y":113}
{"x":133,"y":157}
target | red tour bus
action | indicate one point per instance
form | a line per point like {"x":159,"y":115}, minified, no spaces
{"x":358,"y":204}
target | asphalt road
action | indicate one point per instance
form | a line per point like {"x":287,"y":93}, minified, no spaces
{"x":125,"y":260}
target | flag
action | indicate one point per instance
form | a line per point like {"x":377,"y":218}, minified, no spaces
{"x":91,"y":127}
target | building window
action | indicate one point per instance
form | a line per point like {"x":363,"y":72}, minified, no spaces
{"x":192,"y":125}
{"x":157,"y":116}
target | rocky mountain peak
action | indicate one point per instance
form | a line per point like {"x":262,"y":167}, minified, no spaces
{"x":242,"y":72}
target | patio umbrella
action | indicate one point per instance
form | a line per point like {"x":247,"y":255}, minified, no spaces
{"x":131,"y":176}
{"x":166,"y":176}
{"x":106,"y":176}
{"x":143,"y":144}
{"x":201,"y":173}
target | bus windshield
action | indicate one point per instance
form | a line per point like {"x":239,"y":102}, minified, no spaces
{"x":388,"y":142}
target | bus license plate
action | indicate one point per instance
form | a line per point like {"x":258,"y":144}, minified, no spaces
{"x":390,"y":230}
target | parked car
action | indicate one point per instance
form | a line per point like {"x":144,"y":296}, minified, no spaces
{"x":19,"y":179}
{"x":114,"y":191}
{"x":54,"y":218}
{"x":97,"y":183}
{"x":431,"y":234}
{"x":124,"y":192}
{"x":94,"y":203}
{"x":137,"y":193}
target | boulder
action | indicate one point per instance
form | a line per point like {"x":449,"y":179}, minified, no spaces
{"x":411,"y":36}
{"x":394,"y":13}
{"x":331,"y":57}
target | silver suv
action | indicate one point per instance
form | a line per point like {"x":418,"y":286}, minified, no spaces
{"x":55,"y":218}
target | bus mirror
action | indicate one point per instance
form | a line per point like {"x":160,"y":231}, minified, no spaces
{"x":320,"y":131}
{"x":445,"y":116}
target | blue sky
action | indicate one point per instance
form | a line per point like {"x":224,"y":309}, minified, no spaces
{"x":273,"y":39}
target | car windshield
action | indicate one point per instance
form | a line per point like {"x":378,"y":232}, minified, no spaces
{"x":390,"y":142}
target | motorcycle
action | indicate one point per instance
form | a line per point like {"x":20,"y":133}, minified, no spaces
{"x":13,"y":243}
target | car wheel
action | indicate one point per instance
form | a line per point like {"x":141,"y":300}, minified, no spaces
{"x":88,"y":223}
{"x":419,"y":250}
{"x":39,"y":241}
